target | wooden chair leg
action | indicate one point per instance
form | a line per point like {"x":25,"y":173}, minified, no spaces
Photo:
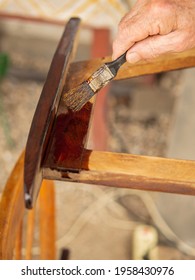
{"x":11,"y":218}
{"x":30,"y":233}
{"x":47,"y":221}
{"x":18,"y":245}
{"x":11,"y":209}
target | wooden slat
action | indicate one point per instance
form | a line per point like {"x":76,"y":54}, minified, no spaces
{"x":11,"y":209}
{"x":69,"y":133}
{"x":133,"y":171}
{"x":168,"y":62}
{"x":18,"y":245}
{"x":45,"y":112}
{"x":30,"y":230}
{"x":47,"y":221}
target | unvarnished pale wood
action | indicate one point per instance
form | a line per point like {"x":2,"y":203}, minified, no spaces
{"x":30,"y":230}
{"x":47,"y":221}
{"x":11,"y":210}
{"x":18,"y":245}
{"x":11,"y":217}
{"x":168,"y":62}
{"x":12,"y":213}
{"x":133,"y":171}
{"x":163,"y":63}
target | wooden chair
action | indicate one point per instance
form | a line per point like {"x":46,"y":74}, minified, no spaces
{"x":17,"y":225}
{"x":61,"y":151}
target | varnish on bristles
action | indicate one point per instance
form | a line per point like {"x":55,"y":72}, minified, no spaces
{"x":79,"y":96}
{"x":76,"y":98}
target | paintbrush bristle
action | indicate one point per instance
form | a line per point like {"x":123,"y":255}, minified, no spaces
{"x":79,"y":96}
{"x":76,"y":98}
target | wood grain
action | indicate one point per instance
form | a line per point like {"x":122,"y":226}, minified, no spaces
{"x":45,"y":112}
{"x":47,"y":223}
{"x":123,"y":170}
{"x":18,"y":244}
{"x":68,"y":139}
{"x":168,"y":62}
{"x":133,"y":171}
{"x":11,"y":210}
{"x":30,"y":233}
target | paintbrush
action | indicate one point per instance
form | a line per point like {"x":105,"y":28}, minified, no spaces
{"x":76,"y":98}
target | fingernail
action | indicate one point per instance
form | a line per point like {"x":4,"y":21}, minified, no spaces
{"x":133,"y":57}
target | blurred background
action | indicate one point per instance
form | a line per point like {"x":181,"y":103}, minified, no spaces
{"x":156,"y":112}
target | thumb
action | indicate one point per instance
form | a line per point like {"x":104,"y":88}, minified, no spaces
{"x":154,"y":46}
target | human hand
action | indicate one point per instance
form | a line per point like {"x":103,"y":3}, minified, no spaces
{"x":154,"y":27}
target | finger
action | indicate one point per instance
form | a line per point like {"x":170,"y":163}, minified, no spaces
{"x":149,"y":20}
{"x":132,"y":28}
{"x":128,"y":34}
{"x":156,"y":45}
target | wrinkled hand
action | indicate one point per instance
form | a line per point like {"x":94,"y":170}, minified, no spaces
{"x":154,"y":27}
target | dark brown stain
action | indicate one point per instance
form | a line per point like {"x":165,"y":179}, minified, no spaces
{"x":68,"y":138}
{"x":45,"y":113}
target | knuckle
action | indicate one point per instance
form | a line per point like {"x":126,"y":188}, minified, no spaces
{"x":122,"y":26}
{"x":125,"y":24}
{"x":161,"y":7}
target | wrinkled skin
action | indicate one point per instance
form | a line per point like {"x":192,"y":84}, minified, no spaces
{"x":155,"y":27}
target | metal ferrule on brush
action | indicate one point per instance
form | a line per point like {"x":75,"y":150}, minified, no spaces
{"x":100,"y":78}
{"x":76,"y":98}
